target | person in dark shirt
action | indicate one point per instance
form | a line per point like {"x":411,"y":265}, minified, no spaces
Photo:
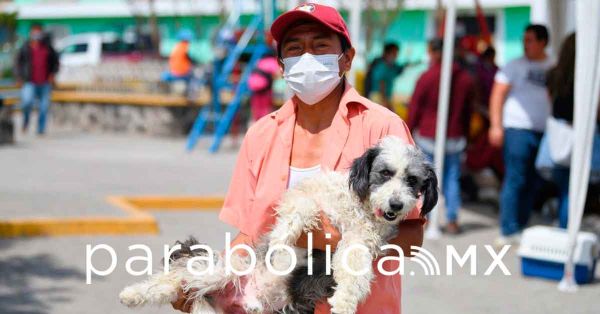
{"x":382,"y":73}
{"x":423,"y":118}
{"x":561,"y":89}
{"x":486,"y":71}
{"x":561,"y":82}
{"x":35,"y":66}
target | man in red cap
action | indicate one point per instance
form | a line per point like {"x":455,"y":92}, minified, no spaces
{"x":324,"y":126}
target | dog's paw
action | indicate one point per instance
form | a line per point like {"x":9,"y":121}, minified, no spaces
{"x":340,"y":305}
{"x":131,"y":298}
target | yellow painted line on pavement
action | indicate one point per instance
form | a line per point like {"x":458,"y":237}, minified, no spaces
{"x":137,"y":221}
{"x":168,"y":203}
{"x":77,"y":226}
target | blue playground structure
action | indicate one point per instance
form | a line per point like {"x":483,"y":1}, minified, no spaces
{"x":222,"y":69}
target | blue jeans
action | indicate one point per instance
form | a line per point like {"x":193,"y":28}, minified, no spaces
{"x":560,"y":177}
{"x":29,"y":92}
{"x":520,"y":181}
{"x":451,"y":184}
{"x":170,"y":77}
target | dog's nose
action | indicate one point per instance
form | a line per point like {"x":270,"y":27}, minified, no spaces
{"x":396,"y":205}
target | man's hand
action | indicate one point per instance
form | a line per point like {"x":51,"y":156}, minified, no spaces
{"x":410,"y":233}
{"x":319,"y":240}
{"x":183,"y":302}
{"x":496,"y":136}
{"x":227,"y":298}
{"x":19,"y":83}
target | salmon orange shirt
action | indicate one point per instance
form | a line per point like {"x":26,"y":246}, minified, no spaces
{"x":179,"y":62}
{"x":261,"y":173}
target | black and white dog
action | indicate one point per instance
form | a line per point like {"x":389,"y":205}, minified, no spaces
{"x":366,"y":205}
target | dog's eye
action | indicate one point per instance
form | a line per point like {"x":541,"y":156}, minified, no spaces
{"x":386,"y":173}
{"x":412,"y":180}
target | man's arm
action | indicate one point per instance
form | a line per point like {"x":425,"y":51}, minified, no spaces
{"x":410,"y":233}
{"x":54,"y":62}
{"x":497,"y":98}
{"x":242,"y":238}
{"x":399,"y":68}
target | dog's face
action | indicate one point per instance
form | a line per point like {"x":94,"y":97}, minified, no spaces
{"x":391,"y":177}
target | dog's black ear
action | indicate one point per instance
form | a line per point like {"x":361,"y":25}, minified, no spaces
{"x":429,"y":191}
{"x":359,"y":173}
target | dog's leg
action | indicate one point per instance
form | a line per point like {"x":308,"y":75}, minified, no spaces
{"x":353,"y":271}
{"x":297,"y":213}
{"x":217,"y":279}
{"x":157,"y":290}
{"x":252,"y":304}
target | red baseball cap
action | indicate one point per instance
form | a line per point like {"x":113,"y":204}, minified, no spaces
{"x":319,"y":13}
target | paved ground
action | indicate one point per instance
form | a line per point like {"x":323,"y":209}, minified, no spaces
{"x":67,"y":174}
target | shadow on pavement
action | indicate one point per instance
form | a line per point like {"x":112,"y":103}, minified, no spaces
{"x":18,"y":277}
{"x":474,"y":226}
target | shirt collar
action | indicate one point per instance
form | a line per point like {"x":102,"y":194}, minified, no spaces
{"x":339,"y":129}
{"x":350,"y":96}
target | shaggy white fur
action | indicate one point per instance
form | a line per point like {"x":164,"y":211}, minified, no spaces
{"x":365,"y":206}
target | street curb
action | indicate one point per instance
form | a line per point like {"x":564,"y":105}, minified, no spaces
{"x":137,"y":221}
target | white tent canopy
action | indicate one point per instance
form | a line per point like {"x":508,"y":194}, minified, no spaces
{"x":587,"y":98}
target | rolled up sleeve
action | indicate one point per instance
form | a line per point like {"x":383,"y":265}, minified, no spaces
{"x":398,"y":127}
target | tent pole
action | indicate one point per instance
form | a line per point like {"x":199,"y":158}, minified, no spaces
{"x":587,"y":96}
{"x":355,"y":34}
{"x":433,"y":231}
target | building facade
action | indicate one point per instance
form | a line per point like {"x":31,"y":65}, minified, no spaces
{"x":411,"y":28}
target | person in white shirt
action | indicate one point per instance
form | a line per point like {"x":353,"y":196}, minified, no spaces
{"x":519,"y":107}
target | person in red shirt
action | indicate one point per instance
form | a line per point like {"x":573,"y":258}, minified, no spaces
{"x":422,"y":121}
{"x":35,"y":67}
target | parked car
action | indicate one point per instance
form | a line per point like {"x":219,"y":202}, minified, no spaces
{"x":87,"y":58}
{"x":93,"y":48}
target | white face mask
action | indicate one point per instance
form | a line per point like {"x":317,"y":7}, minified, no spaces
{"x":312,"y":77}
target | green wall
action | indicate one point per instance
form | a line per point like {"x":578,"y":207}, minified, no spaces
{"x":515,"y":21}
{"x":408,"y":30}
{"x":203,"y":27}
